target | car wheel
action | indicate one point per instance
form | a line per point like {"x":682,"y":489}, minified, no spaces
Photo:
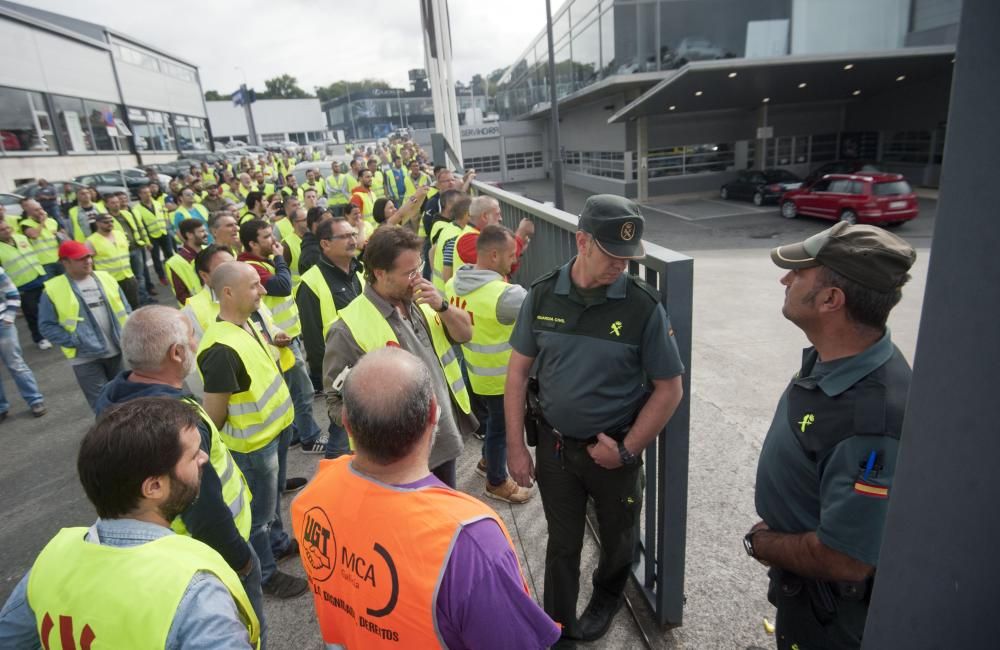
{"x":758,"y":198}
{"x":724,"y":194}
{"x":849,"y":216}
{"x":788,"y":210}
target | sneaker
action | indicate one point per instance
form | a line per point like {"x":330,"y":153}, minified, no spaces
{"x":44,"y":345}
{"x":282,"y":585}
{"x":292,"y":550}
{"x":479,"y":434}
{"x":508,"y":491}
{"x":38,"y":409}
{"x":295,"y":484}
{"x":481,"y":467}
{"x":315,"y":447}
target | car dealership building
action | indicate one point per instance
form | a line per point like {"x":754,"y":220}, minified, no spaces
{"x":63,"y":80}
{"x":667,"y":96}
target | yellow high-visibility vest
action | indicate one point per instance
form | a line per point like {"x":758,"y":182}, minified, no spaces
{"x":67,"y":305}
{"x":184,"y":270}
{"x":283,"y":308}
{"x":314,"y":280}
{"x":46,"y":244}
{"x":259,"y":414}
{"x":104,"y":591}
{"x":235,"y":492}
{"x":111,"y":257}
{"x":443,"y":231}
{"x":371,"y":331}
{"x":20,"y":260}
{"x":487,"y":354}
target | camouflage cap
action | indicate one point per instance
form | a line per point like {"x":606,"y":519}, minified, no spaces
{"x":869,"y":255}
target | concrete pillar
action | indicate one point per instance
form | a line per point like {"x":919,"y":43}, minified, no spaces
{"x":938,"y":572}
{"x":760,"y":154}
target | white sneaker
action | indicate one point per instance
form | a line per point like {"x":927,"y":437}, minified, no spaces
{"x":44,"y":345}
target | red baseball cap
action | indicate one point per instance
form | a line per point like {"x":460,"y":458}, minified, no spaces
{"x":73,"y":250}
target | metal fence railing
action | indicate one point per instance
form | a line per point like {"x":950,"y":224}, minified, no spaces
{"x":659,"y":571}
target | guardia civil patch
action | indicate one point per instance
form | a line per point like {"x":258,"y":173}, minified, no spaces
{"x":870,"y":489}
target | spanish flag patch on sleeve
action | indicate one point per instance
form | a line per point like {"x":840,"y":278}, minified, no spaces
{"x":870,"y":489}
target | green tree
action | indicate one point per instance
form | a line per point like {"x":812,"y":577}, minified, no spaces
{"x":283,"y":87}
{"x":213,"y":96}
{"x":340,"y":88}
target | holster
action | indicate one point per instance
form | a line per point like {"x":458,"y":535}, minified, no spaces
{"x":822,"y":595}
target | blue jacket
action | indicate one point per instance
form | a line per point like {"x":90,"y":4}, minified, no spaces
{"x":88,"y":339}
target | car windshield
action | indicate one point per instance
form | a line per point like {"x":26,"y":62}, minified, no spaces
{"x":892,"y":187}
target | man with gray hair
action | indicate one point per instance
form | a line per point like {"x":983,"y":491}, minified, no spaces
{"x":466,"y":576}
{"x":158,"y":344}
{"x":483,"y":211}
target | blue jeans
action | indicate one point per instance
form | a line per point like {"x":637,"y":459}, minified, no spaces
{"x":10,"y":351}
{"x":260,"y":468}
{"x":137,"y":260}
{"x":337,"y":444}
{"x":278,"y":538}
{"x":255,"y":594}
{"x":495,"y":442}
{"x":93,"y":375}
{"x":301,"y":388}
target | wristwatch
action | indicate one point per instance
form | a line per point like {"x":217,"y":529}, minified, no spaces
{"x":444,"y":307}
{"x":628,"y":458}
{"x":748,"y":543}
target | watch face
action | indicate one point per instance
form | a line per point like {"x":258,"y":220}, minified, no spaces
{"x":748,"y":545}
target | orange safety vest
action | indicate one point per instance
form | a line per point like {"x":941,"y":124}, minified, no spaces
{"x":374,"y":555}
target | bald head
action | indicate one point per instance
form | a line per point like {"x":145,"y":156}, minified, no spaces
{"x":228,"y":274}
{"x":387,"y":406}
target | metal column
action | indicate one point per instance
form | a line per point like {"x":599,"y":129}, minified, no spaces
{"x":938,"y":581}
{"x":642,"y":153}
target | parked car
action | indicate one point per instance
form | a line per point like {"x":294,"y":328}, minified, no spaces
{"x":841,"y":167}
{"x":761,"y":186}
{"x":135,"y":172}
{"x":31,"y":189}
{"x":875,"y":198}
{"x":115,"y":178}
{"x":11,"y":203}
{"x":210,"y":157}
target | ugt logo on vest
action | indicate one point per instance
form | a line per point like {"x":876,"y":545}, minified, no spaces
{"x":66,"y":636}
{"x":319,"y":544}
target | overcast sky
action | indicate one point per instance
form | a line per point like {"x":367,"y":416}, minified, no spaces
{"x":316,"y":41}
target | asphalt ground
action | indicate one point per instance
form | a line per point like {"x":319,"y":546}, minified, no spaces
{"x":743,"y":354}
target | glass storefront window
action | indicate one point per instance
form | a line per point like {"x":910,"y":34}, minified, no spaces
{"x":607,"y":42}
{"x":73,"y":126}
{"x":586,"y":53}
{"x":95,"y":112}
{"x":25,"y":124}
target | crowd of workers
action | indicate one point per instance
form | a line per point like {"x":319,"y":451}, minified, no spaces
{"x":384,"y":287}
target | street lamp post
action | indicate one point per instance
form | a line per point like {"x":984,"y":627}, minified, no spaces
{"x":554,"y":148}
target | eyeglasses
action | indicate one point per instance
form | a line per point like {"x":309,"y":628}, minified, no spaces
{"x":416,"y":273}
{"x":350,"y":235}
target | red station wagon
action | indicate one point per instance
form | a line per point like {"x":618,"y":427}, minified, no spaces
{"x":877,"y":198}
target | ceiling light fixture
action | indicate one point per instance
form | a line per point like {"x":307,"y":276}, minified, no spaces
{"x":856,"y":93}
{"x":802,"y":85}
{"x":732,"y":75}
{"x":697,"y":93}
{"x":673,"y":108}
{"x":765,"y":100}
{"x":849,"y":66}
{"x":901,"y":77}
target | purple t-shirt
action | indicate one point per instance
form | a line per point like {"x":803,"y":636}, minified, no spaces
{"x":482,"y":603}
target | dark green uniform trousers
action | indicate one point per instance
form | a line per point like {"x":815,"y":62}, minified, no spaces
{"x":810,"y":620}
{"x":566,"y":476}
